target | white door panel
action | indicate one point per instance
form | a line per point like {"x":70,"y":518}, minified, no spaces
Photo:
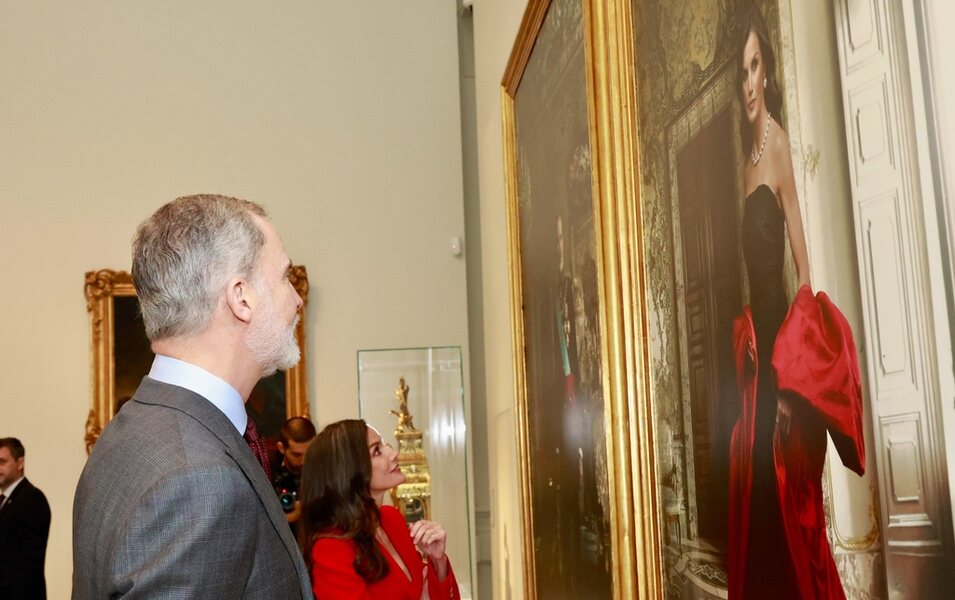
{"x":897,"y":299}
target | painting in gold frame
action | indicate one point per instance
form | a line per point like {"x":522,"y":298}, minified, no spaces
{"x":584,"y":433}
{"x":120,"y":356}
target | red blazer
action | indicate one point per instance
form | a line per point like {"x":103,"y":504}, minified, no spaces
{"x":814,"y":361}
{"x":334,"y":576}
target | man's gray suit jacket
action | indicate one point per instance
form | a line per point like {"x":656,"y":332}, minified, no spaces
{"x":172,"y":504}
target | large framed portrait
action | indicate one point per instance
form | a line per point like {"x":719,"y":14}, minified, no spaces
{"x":574,"y":294}
{"x":664,"y":213}
{"x":700,"y":209}
{"x":120,"y":356}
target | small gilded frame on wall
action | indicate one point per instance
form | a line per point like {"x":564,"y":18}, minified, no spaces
{"x":120,"y":356}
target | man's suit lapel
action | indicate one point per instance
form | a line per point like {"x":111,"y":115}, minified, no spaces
{"x":210,"y":417}
{"x":15,"y":495}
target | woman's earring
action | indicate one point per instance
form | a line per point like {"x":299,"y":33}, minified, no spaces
{"x":764,"y":83}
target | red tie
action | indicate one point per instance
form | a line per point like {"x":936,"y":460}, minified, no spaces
{"x":257,"y":445}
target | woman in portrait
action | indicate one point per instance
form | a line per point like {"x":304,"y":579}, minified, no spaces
{"x":355,"y":547}
{"x":796,"y":366}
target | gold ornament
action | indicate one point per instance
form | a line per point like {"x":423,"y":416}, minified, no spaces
{"x":413,"y":497}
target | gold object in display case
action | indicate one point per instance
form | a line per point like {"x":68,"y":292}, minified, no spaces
{"x":413,"y":497}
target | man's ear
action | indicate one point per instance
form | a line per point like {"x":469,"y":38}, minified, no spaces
{"x":280,"y":447}
{"x":240,"y":299}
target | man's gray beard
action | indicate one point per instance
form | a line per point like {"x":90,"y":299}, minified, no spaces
{"x":274,"y":348}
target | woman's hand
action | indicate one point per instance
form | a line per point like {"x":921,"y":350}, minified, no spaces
{"x":431,"y":539}
{"x":784,"y":411}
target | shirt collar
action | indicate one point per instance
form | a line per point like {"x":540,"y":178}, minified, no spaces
{"x":7,"y":492}
{"x":196,"y":379}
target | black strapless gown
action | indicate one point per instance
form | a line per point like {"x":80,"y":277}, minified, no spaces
{"x":763,"y":240}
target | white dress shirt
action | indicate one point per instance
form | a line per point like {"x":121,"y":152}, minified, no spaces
{"x":196,"y":379}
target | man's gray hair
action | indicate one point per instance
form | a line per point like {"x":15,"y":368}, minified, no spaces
{"x":184,"y":255}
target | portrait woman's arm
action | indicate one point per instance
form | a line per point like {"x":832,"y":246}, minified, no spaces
{"x":789,"y":201}
{"x":790,"y":205}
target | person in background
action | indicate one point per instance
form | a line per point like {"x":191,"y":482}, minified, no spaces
{"x":357,"y":548}
{"x":24,"y":527}
{"x":295,"y":436}
{"x":173,"y":502}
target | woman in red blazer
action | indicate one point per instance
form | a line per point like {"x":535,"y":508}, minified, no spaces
{"x":357,"y":549}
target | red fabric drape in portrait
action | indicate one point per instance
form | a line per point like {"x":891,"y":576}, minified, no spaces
{"x":815,"y":365}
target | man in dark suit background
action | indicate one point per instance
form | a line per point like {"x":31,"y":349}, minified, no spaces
{"x":172,"y":501}
{"x":24,"y":528}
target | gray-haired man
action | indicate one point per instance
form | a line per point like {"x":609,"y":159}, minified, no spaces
{"x":172,"y":502}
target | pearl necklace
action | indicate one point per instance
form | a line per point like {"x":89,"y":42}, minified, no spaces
{"x":762,"y":147}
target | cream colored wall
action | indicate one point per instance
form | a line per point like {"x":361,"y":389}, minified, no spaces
{"x":472,"y":221}
{"x":495,"y":28}
{"x":342,"y":118}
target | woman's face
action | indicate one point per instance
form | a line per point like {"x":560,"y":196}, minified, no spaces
{"x":753,"y":74}
{"x":384,"y":464}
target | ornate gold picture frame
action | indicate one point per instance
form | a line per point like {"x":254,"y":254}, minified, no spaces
{"x":585,"y":432}
{"x":114,"y":321}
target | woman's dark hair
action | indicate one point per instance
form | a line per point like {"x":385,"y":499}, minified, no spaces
{"x":336,"y":496}
{"x":772,"y":95}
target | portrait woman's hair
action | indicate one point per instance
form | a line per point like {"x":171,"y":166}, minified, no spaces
{"x":336,"y":496}
{"x":772,"y":94}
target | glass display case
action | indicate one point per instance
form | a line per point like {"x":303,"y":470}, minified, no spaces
{"x":414,"y":397}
